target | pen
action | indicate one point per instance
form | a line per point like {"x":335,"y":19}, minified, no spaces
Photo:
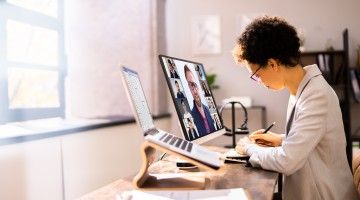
{"x":263,"y":142}
{"x":268,"y":128}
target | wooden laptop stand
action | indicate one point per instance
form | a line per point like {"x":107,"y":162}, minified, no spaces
{"x":180,"y":181}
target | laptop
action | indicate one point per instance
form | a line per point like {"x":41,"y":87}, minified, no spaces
{"x":162,"y":138}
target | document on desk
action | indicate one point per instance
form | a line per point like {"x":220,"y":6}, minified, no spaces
{"x":221,"y":194}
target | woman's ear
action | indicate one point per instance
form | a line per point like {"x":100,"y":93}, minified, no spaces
{"x":274,"y":64}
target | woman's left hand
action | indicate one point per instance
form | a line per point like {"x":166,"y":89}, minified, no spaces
{"x":240,"y":146}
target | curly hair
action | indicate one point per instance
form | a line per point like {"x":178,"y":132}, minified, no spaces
{"x":269,"y":37}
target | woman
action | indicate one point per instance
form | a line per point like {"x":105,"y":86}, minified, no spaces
{"x":311,"y":154}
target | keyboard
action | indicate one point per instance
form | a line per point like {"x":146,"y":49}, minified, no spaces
{"x":176,"y":141}
{"x":186,"y":148}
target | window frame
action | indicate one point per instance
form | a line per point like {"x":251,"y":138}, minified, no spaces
{"x":9,"y":11}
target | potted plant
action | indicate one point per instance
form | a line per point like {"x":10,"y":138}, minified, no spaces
{"x":211,"y":81}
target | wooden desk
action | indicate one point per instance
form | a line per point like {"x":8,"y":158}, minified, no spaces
{"x":259,"y":184}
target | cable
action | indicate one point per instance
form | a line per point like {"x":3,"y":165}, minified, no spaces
{"x":162,"y":156}
{"x":243,"y":128}
{"x":244,"y":124}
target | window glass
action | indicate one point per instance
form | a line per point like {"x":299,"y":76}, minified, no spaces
{"x":31,"y":44}
{"x":47,"y":7}
{"x":32,"y":88}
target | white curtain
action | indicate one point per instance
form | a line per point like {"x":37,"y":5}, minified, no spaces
{"x":103,"y":35}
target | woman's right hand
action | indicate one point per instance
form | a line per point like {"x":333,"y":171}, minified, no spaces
{"x":266,"y":139}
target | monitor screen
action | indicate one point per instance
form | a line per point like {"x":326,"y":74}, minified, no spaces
{"x":194,"y":103}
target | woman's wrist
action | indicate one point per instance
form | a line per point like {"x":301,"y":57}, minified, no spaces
{"x":278,"y":141}
{"x":250,"y":148}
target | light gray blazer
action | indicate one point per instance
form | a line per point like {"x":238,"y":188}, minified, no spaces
{"x":312,"y":156}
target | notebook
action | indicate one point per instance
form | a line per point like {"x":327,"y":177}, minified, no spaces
{"x":162,"y":138}
{"x":220,"y":194}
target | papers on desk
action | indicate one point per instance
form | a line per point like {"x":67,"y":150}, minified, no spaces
{"x":223,"y":194}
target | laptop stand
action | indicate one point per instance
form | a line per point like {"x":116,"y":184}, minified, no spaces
{"x":180,"y":181}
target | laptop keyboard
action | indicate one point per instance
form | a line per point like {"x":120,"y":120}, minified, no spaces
{"x":176,"y":142}
{"x":186,"y":148}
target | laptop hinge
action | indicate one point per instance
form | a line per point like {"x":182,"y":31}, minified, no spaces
{"x":152,"y":131}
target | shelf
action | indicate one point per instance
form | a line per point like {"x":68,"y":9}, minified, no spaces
{"x":312,"y":53}
{"x":334,"y":66}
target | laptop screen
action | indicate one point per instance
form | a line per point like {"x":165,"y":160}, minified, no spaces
{"x":192,"y":97}
{"x":137,"y":98}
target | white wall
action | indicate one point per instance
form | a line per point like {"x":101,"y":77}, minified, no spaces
{"x":98,"y":157}
{"x":85,"y":161}
{"x":321,"y":21}
{"x":31,"y":170}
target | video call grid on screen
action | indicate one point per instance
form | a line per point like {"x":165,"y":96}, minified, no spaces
{"x":184,"y":89}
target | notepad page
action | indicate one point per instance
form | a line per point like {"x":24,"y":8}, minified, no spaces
{"x":221,"y":194}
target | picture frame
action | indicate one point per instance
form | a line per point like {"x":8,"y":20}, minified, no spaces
{"x":206,"y":34}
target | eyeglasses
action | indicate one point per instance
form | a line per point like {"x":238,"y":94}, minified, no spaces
{"x":192,"y":85}
{"x":254,"y":76}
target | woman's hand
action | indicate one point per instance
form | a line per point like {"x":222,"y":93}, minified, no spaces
{"x":240,"y":146}
{"x":266,"y":139}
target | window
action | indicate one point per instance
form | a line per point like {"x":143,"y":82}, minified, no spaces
{"x":32,"y":66}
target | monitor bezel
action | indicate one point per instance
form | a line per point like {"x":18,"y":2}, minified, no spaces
{"x":207,"y":137}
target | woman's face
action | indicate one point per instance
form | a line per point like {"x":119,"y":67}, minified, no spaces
{"x":269,"y":76}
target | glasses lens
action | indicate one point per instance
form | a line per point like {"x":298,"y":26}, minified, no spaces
{"x":192,"y":85}
{"x":254,"y":76}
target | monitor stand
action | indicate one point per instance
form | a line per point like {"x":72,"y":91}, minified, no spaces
{"x":185,"y":181}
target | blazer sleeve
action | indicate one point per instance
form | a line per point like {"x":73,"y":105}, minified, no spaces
{"x":306,"y":132}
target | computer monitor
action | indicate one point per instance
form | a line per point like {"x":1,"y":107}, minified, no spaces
{"x":194,"y":103}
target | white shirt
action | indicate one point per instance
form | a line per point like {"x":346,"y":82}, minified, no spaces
{"x":312,"y":156}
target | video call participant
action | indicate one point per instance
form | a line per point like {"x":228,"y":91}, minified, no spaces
{"x":205,"y":88}
{"x":173,"y":73}
{"x":312,"y":152}
{"x":202,"y":82}
{"x":216,"y":118}
{"x":192,"y":133}
{"x":185,"y":109}
{"x":215,"y":123}
{"x":200,"y":112}
{"x":210,"y":104}
{"x":199,"y":72}
{"x":179,"y":94}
